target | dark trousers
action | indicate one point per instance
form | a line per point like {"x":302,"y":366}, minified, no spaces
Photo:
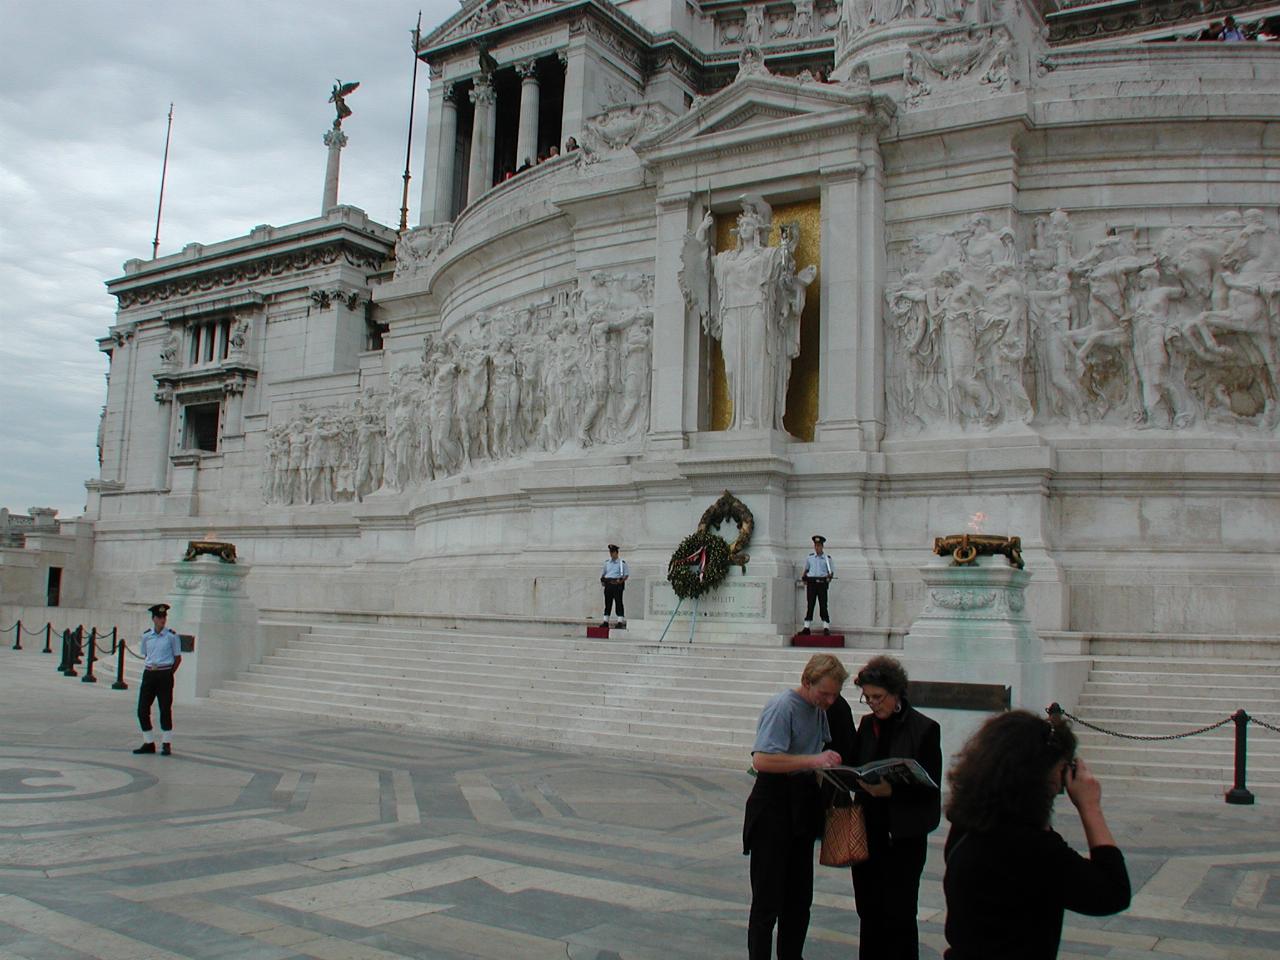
{"x":156,"y":685}
{"x":816,"y":590}
{"x":613,"y":598}
{"x":781,"y":891}
{"x":886,"y":890}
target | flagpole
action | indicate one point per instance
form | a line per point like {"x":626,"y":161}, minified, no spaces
{"x":164,"y":171}
{"x":408,"y":149}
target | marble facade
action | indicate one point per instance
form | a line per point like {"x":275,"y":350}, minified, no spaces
{"x":1049,"y":284}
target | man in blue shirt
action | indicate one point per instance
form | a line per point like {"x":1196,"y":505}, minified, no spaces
{"x":613,"y":575}
{"x":818,"y":571}
{"x":161,"y":651}
{"x":784,"y":812}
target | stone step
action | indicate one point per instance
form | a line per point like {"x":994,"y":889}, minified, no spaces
{"x":537,"y":732}
{"x":1229,"y":688}
{"x":1259,"y":701}
{"x":440,"y":690}
{"x":511,"y":665}
{"x":1187,"y":648}
{"x":1183,"y":666}
{"x":1192,"y":752}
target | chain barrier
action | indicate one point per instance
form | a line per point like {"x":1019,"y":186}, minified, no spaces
{"x":1055,"y":709}
{"x":1263,"y":723}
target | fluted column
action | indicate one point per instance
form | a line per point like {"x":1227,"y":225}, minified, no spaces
{"x":483,"y":127}
{"x":447,"y":150}
{"x":530,"y":100}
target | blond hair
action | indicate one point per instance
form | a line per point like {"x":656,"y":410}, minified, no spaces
{"x":821,"y":666}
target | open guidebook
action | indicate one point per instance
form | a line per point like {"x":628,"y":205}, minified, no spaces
{"x":899,"y":771}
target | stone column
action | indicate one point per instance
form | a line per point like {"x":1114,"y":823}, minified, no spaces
{"x":483,"y":127}
{"x":530,"y":99}
{"x":442,"y":144}
{"x":841,"y":307}
{"x":572,"y":113}
{"x":164,"y":397}
{"x":335,"y":140}
{"x":869,"y":374}
{"x":671,"y":412}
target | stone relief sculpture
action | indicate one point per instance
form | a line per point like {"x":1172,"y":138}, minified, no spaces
{"x":946,"y":58}
{"x":418,"y":248}
{"x":619,"y":126}
{"x":1170,"y":331}
{"x":749,"y":299}
{"x":497,"y":386}
{"x":169,"y":352}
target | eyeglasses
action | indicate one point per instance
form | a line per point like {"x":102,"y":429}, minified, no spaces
{"x":875,"y":700}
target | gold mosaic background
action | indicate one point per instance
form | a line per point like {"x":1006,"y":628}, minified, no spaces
{"x":802,"y":390}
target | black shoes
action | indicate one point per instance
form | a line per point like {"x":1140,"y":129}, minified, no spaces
{"x":166,"y":750}
{"x":147,"y":748}
{"x":805,"y":632}
{"x":826,"y":632}
{"x":622,"y":625}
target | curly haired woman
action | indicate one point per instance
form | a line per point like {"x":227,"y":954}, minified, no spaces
{"x":1009,"y":876}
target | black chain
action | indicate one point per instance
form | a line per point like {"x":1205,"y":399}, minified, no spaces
{"x":1134,"y":736}
{"x":1263,"y":723}
{"x":130,"y":652}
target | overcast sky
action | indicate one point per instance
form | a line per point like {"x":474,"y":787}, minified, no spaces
{"x":85,"y":93}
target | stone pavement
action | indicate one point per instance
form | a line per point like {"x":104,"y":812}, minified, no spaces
{"x":273,"y":839}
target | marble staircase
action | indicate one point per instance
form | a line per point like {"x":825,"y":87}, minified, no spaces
{"x":1165,"y":695}
{"x":673,"y":702}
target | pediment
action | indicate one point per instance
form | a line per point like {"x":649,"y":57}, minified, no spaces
{"x":763,"y":104}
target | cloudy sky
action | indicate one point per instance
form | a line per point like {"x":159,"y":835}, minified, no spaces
{"x":86,"y":91}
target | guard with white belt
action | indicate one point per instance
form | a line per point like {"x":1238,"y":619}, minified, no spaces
{"x":818,"y":572}
{"x":161,"y":650}
{"x":613,"y":577}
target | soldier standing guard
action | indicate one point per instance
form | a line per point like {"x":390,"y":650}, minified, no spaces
{"x":161,"y":650}
{"x":613,"y":575}
{"x":818,"y":572}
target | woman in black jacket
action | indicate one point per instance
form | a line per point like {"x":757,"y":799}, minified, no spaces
{"x":1009,"y":875}
{"x":899,"y":818}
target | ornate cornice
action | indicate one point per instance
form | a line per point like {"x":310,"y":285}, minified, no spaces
{"x":1078,"y":24}
{"x":264,"y":268}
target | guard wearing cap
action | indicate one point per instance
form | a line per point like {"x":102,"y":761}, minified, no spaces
{"x":161,"y":651}
{"x":818,"y":571}
{"x":614,"y":578}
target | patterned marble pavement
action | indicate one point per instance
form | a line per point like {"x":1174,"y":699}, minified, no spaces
{"x":265,"y":838}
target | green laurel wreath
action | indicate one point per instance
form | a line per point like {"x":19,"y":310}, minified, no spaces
{"x":683,"y":574}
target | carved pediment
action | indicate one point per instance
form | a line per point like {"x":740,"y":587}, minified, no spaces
{"x":768,"y":105}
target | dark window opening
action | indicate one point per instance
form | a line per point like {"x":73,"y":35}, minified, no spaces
{"x":53,"y":593}
{"x":201,"y":426}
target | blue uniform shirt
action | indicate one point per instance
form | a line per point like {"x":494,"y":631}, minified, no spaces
{"x":615,"y":569}
{"x":160,"y":649}
{"x":819,"y":566}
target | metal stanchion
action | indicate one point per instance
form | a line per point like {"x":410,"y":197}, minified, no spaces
{"x":48,"y":638}
{"x":72,"y":655}
{"x":120,"y":684}
{"x":1239,"y":793}
{"x":93,"y":655}
{"x":17,"y":635}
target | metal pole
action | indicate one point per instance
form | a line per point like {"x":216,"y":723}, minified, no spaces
{"x":164,"y":172}
{"x":679,"y":600}
{"x":408,"y":150}
{"x":1239,"y":793}
{"x":93,"y":655}
{"x":73,"y":654}
{"x":48,"y":638}
{"x":693,"y":620}
{"x":120,"y":684}
{"x":17,"y":635}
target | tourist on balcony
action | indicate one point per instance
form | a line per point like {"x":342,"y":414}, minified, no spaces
{"x":784,"y":812}
{"x":161,"y":651}
{"x":525,"y":164}
{"x":613,"y":577}
{"x":1231,"y":33}
{"x":570,"y":145}
{"x":1212,"y":32}
{"x":818,"y":573}
{"x":1009,"y":875}
{"x":899,"y":817}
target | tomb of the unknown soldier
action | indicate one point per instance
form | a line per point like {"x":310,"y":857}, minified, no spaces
{"x":947,"y":331}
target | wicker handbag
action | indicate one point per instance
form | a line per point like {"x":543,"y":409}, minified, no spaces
{"x":844,"y":837}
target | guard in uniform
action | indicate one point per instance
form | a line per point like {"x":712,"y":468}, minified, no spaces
{"x":818,"y":572}
{"x":161,"y":650}
{"x":613,"y":576}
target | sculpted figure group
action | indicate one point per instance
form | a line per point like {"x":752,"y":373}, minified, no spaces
{"x":1181,"y":333}
{"x":495,"y":387}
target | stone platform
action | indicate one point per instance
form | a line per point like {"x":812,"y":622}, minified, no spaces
{"x":275,"y":838}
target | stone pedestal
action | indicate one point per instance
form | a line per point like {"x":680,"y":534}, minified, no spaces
{"x":209,"y":602}
{"x":974,"y":613}
{"x":743,"y":610}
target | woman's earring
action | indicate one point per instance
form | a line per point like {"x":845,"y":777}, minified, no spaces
{"x":897,"y":707}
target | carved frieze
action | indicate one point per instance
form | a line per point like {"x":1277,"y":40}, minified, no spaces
{"x":1169,"y":328}
{"x":418,"y":248}
{"x":572,"y":372}
{"x":620,"y":126}
{"x":946,"y":60}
